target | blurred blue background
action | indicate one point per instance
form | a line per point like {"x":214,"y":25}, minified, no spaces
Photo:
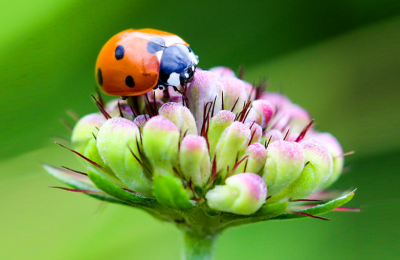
{"x":338,"y":59}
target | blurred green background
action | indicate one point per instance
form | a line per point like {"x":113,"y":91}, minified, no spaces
{"x":338,"y":59}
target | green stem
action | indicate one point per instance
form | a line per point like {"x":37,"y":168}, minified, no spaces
{"x":198,"y":246}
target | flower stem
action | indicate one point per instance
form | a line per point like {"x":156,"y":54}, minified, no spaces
{"x":198,"y":246}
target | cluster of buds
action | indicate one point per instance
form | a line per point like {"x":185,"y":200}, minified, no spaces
{"x":225,"y":146}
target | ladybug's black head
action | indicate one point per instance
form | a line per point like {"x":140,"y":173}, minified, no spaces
{"x":178,"y":64}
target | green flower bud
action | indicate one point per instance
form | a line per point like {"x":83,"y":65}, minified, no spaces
{"x":316,"y":172}
{"x":85,"y":130}
{"x":218,"y":125}
{"x":257,"y":156}
{"x":232,"y":145}
{"x":115,"y":141}
{"x":285,"y":161}
{"x":160,"y":144}
{"x":243,"y":194}
{"x":83,"y":137}
{"x":337,"y":153}
{"x":256,"y":132}
{"x":180,"y":116}
{"x":194,"y":160}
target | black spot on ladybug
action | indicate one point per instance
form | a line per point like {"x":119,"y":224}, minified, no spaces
{"x":99,"y":77}
{"x":155,"y":45}
{"x":130,"y":82}
{"x":119,"y":52}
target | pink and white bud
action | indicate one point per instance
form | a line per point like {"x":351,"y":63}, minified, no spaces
{"x":285,"y":161}
{"x":113,"y":109}
{"x":194,"y":160}
{"x":180,"y":116}
{"x":83,"y":137}
{"x":84,"y":130}
{"x":256,"y":132}
{"x":242,"y":194}
{"x":336,"y":151}
{"x":274,"y":134}
{"x":232,"y":144}
{"x":218,"y":124}
{"x":257,"y":156}
{"x":223,"y":72}
{"x":114,"y":141}
{"x":234,"y":88}
{"x":276,"y":100}
{"x":204,"y":88}
{"x":261,"y":113}
{"x":319,"y":166}
{"x":140,"y":121}
{"x":160,"y":144}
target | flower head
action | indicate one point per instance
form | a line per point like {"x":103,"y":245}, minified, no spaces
{"x":223,"y":151}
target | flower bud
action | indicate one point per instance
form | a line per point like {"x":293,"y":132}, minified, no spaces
{"x":285,"y":161}
{"x":257,"y":156}
{"x":242,"y":194}
{"x":180,"y":116}
{"x":261,"y":113}
{"x":316,"y":172}
{"x":232,"y":145}
{"x":84,"y":130}
{"x":140,"y":121}
{"x":234,"y":89}
{"x":223,"y":72}
{"x":274,"y":134}
{"x":218,"y":124}
{"x":204,"y":88}
{"x":160,"y":144}
{"x":114,"y":141}
{"x":194,"y":160}
{"x":276,"y":100}
{"x":256,"y":132}
{"x":83,"y":137}
{"x":113,"y":109}
{"x":336,"y":151}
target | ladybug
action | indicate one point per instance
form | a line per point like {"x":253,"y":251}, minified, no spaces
{"x":133,"y":62}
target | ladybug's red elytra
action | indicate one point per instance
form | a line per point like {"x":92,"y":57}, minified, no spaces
{"x":133,"y":62}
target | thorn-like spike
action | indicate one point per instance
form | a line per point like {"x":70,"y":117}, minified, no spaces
{"x":75,"y":190}
{"x":287,"y":134}
{"x":101,"y":100}
{"x":308,"y":215}
{"x":344,"y":155}
{"x":75,"y":171}
{"x":101,"y":108}
{"x":120,"y":110}
{"x":222,"y":97}
{"x":84,"y":157}
{"x":303,"y":133}
{"x":234,"y":105}
{"x":66,"y":124}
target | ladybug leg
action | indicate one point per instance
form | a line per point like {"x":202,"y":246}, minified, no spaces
{"x":177,"y":90}
{"x":166,"y":93}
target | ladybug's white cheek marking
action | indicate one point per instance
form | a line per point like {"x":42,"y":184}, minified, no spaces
{"x":173,"y":79}
{"x":159,"y":55}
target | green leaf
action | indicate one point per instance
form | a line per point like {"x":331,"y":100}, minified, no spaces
{"x":119,"y":193}
{"x":169,"y":191}
{"x":319,"y":209}
{"x":79,"y":182}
